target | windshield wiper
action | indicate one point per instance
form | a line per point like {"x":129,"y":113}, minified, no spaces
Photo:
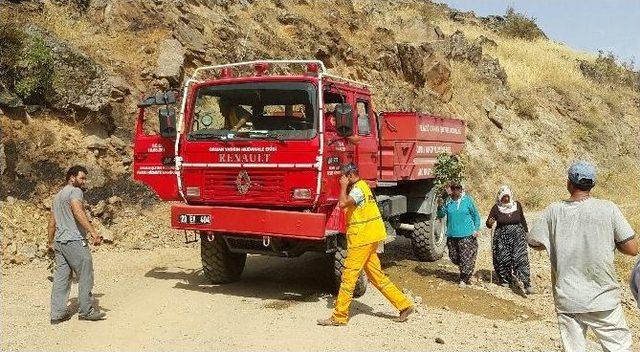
{"x":209,"y":136}
{"x":268,"y":135}
{"x":261,"y":134}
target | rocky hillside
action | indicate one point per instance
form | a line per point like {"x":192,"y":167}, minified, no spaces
{"x":72,"y":71}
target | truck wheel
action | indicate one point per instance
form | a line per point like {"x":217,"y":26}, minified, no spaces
{"x":338,"y":265}
{"x":428,"y":239}
{"x":219,"y":264}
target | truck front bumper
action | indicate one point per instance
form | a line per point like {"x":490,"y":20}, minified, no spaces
{"x":252,"y":221}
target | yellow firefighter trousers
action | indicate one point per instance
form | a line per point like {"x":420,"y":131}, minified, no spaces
{"x":365,"y":257}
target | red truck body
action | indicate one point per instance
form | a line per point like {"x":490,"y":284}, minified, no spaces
{"x":410,"y":143}
{"x":273,"y":184}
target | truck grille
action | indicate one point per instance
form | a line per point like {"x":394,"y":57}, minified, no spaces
{"x":263,"y":186}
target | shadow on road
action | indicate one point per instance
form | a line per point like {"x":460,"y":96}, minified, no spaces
{"x":303,"y":279}
{"x":280,"y":282}
{"x":73,"y":304}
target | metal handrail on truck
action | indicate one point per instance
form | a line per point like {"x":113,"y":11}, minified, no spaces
{"x":321,"y":73}
{"x":320,"y":64}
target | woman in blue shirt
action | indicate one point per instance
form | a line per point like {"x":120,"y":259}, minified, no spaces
{"x":463,"y":228}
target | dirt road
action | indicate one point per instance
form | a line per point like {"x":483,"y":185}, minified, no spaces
{"x":157,"y":300}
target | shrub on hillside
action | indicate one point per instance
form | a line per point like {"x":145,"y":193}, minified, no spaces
{"x":517,"y":25}
{"x":610,"y":70}
{"x":26,"y":63}
{"x":525,"y":106}
{"x":35,"y":70}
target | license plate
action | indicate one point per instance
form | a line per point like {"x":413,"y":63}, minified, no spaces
{"x":194,"y":219}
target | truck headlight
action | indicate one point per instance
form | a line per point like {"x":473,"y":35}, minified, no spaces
{"x":301,"y":193}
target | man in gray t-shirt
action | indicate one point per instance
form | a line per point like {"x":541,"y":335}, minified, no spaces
{"x":581,"y":235}
{"x":67,"y":230}
{"x":67,"y":227}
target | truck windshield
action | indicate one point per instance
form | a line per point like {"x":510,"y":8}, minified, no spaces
{"x":281,"y":110}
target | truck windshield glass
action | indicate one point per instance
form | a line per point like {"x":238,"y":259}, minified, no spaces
{"x":284,"y":110}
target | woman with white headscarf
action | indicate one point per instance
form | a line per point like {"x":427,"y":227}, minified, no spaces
{"x":510,"y":256}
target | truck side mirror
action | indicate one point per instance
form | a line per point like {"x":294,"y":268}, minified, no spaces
{"x":166,"y":98}
{"x":344,"y":120}
{"x":167,"y":117}
{"x":160,"y":98}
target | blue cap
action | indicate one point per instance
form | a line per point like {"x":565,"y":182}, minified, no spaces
{"x":582,"y":173}
{"x":349,"y":168}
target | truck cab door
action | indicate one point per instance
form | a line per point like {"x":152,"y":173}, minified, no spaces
{"x":154,"y":160}
{"x":367,"y":147}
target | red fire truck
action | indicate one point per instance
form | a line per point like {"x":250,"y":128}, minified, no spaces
{"x":254,"y":153}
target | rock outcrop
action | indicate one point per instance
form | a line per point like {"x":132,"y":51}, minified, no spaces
{"x":170,"y":63}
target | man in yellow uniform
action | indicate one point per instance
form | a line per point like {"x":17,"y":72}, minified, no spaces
{"x":365,"y":230}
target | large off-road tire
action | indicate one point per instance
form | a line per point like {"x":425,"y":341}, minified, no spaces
{"x":339,"y":257}
{"x":219,"y":264}
{"x":428,"y":239}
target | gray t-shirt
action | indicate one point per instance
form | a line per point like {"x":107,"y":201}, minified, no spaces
{"x":581,"y":238}
{"x":67,"y":228}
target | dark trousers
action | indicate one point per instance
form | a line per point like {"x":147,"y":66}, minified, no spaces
{"x":510,"y":256}
{"x":463,"y":252}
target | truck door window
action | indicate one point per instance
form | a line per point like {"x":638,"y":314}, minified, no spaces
{"x":330,"y":101}
{"x":364,"y":127}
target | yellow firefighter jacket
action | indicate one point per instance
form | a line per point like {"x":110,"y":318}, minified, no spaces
{"x":364,"y":223}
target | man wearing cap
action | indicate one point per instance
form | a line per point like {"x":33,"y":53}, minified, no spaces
{"x":581,"y":235}
{"x":365,"y":230}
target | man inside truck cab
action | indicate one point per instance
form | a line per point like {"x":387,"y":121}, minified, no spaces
{"x":330,"y":126}
{"x":365,"y":230}
{"x":329,"y":121}
{"x":235,"y":116}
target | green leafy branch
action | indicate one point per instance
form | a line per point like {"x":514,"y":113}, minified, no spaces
{"x":447,"y":169}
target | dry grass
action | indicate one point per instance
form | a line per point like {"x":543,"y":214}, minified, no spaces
{"x":540,"y":63}
{"x":532,"y":152}
{"x":530,"y":64}
{"x":491,"y":154}
{"x":469,"y":89}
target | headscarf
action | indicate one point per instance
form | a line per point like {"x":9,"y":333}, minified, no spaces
{"x":462,"y":194}
{"x":507,"y":208}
